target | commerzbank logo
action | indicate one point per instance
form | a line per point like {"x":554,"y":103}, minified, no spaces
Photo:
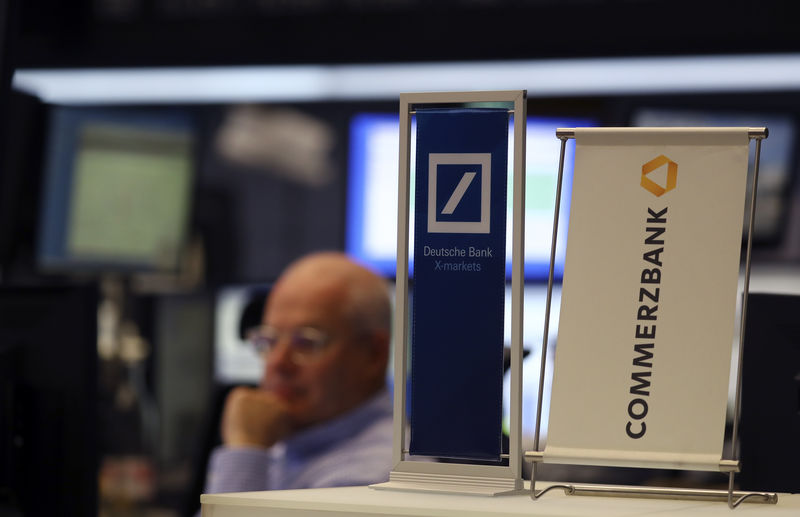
{"x":656,"y":164}
{"x":459,"y":192}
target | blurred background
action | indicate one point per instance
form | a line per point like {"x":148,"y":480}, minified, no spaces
{"x":161,"y":161}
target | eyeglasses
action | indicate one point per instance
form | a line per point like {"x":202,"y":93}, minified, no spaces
{"x":304,"y":342}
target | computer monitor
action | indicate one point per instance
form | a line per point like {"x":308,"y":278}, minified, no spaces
{"x":371,"y":227}
{"x":116,"y":191}
{"x":237,"y":308}
{"x":770,"y":414}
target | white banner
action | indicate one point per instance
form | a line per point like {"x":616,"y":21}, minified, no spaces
{"x":648,"y":304}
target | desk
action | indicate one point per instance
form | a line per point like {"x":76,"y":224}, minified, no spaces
{"x":364,"y":501}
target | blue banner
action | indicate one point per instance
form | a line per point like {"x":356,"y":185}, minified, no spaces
{"x":459,"y":283}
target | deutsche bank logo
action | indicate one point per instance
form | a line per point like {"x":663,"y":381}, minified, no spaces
{"x":459,"y":192}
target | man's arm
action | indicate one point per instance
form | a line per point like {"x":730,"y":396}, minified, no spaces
{"x":252,"y":421}
{"x":240,"y":469}
{"x":254,"y":418}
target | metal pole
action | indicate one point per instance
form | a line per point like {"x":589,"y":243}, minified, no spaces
{"x":548,"y":302}
{"x":759,"y":135}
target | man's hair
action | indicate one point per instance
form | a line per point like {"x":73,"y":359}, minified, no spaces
{"x":368,"y":306}
{"x":366,"y":302}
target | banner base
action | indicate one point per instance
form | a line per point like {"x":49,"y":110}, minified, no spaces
{"x":734,"y":498}
{"x":450,"y":484}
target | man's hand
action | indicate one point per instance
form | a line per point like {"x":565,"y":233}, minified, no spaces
{"x":254,"y":418}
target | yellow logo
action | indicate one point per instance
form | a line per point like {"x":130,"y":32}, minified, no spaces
{"x":672,"y":175}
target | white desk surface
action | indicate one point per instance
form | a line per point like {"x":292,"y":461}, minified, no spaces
{"x":364,"y":501}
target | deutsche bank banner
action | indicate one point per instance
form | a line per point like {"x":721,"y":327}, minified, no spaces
{"x":459,"y":283}
{"x":648,"y":305}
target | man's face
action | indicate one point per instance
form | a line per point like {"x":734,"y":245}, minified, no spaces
{"x":329,"y":381}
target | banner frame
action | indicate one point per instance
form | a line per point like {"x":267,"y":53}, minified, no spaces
{"x":730,"y":465}
{"x":426,"y":476}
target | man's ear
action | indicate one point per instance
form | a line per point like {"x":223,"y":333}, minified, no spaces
{"x":378,"y":352}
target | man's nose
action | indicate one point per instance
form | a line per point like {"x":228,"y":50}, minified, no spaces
{"x":281,"y":355}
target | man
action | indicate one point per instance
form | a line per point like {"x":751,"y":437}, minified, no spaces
{"x":322,"y":415}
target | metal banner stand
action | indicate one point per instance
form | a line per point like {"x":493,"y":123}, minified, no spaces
{"x":732,"y":465}
{"x":427,"y":476}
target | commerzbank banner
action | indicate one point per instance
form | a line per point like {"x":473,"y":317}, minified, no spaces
{"x":459,"y":283}
{"x":648,"y":304}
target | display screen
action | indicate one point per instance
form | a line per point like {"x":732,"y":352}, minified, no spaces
{"x":235,"y":361}
{"x":116,"y":191}
{"x":373,"y":192}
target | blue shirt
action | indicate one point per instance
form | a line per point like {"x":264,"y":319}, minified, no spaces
{"x":350,"y":450}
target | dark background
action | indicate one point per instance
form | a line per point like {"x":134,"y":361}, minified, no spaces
{"x":205,"y":32}
{"x":252,"y":222}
